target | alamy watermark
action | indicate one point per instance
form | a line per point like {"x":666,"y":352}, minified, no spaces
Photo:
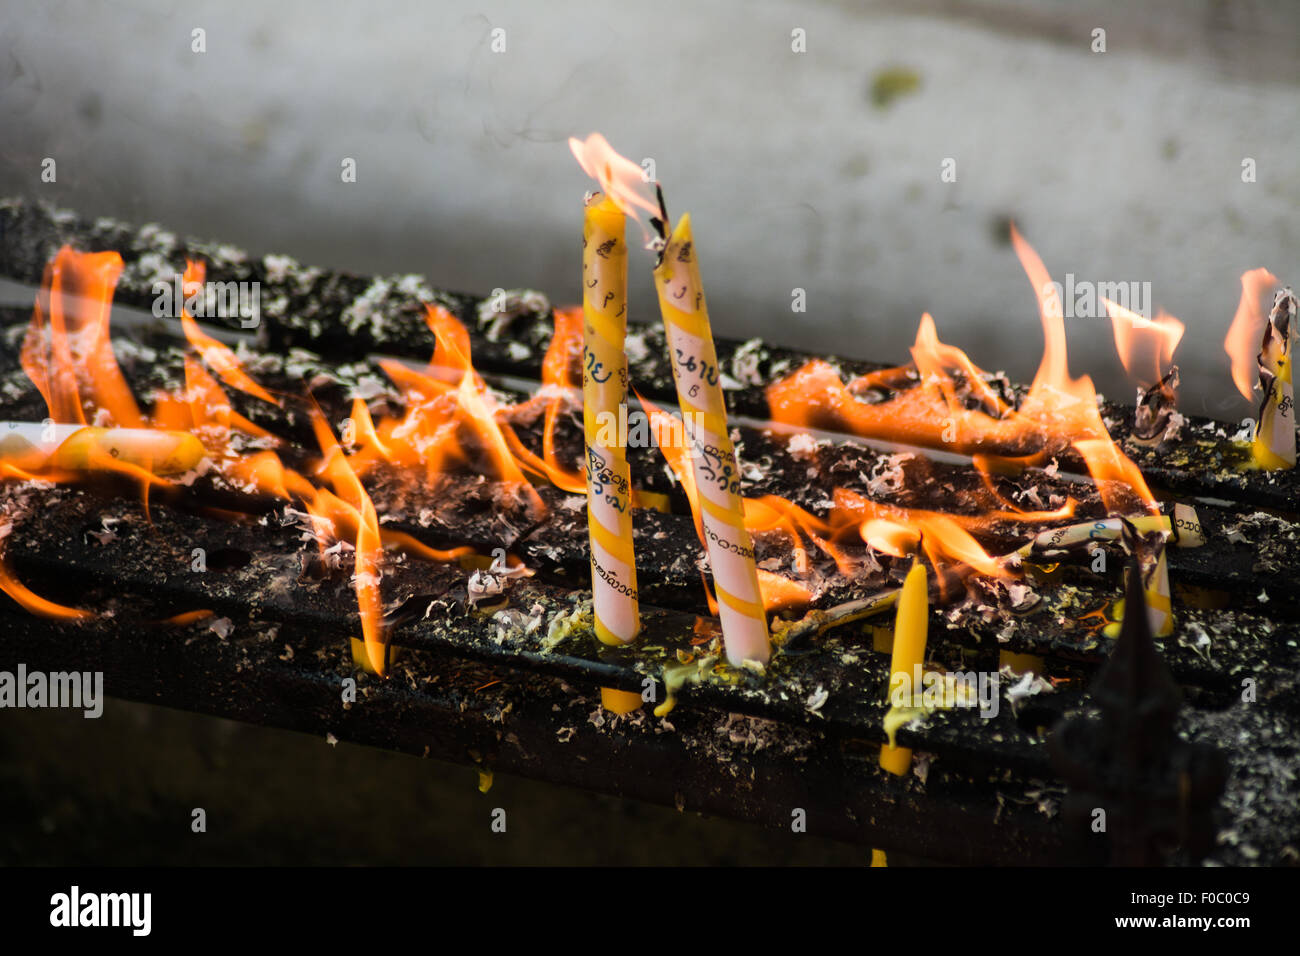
{"x":939,"y":690}
{"x":631,"y":428}
{"x":75,"y":690}
{"x":75,"y":908}
{"x":225,"y":300}
{"x":1082,"y":298}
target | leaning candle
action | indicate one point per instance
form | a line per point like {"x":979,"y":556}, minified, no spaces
{"x":1055,"y":540}
{"x":33,"y":446}
{"x":911,"y":626}
{"x":1274,"y":444}
{"x":713,"y":457}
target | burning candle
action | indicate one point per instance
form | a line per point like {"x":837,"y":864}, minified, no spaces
{"x":911,"y":626}
{"x":1149,"y":550}
{"x":713,"y":457}
{"x":699,"y":393}
{"x":1146,"y":347}
{"x":604,"y":390}
{"x":33,"y":446}
{"x":1274,"y":443}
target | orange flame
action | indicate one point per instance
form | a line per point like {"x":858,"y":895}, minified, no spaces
{"x":1053,"y":371}
{"x":34,"y":603}
{"x":1145,"y":346}
{"x":620,"y":179}
{"x":560,"y":382}
{"x":670,"y":438}
{"x":779,"y":593}
{"x":440,"y":414}
{"x":898,"y":531}
{"x":71,"y":362}
{"x":937,"y":362}
{"x":210,"y":409}
{"x":67,"y":354}
{"x":216,"y":354}
{"x":949,"y":403}
{"x":450,"y":419}
{"x":351,"y":508}
{"x":1109,"y":467}
{"x":1247,"y":330}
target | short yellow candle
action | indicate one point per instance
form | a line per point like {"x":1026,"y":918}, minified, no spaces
{"x":619,"y":701}
{"x":911,"y":625}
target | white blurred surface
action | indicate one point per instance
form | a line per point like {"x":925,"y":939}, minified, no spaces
{"x":1117,"y":166}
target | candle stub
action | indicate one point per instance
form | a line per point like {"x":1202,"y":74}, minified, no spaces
{"x":1274,"y":445}
{"x":1149,"y":548}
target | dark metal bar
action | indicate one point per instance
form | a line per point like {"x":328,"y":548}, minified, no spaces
{"x":498,"y":719}
{"x":343,"y":317}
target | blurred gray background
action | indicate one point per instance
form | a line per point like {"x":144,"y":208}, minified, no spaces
{"x":816,"y":169}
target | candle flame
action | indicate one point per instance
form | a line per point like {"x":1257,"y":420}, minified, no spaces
{"x":216,"y":354}
{"x":1247,"y":330}
{"x":622,"y":180}
{"x":1145,"y":346}
{"x":949,"y":403}
{"x":560,"y":391}
{"x":67,"y":353}
{"x":443,"y":418}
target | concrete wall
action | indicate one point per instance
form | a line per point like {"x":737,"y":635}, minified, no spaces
{"x":797,"y":168}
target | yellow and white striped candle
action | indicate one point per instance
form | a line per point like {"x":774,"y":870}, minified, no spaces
{"x":1274,"y":444}
{"x":604,"y":391}
{"x":713,"y":457}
